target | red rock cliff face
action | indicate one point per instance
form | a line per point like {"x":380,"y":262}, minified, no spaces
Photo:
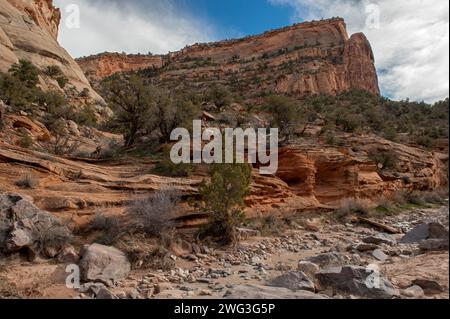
{"x":29,"y":30}
{"x":307,"y":58}
{"x":104,"y":65}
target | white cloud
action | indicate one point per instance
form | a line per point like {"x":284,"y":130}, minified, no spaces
{"x":411,"y":45}
{"x":155,"y":26}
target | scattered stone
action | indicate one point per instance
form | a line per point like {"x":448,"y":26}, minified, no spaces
{"x":103,"y":264}
{"x":425,"y":231}
{"x":308,"y":267}
{"x":380,"y":238}
{"x":430,"y":287}
{"x":105,"y":294}
{"x":415,"y":292}
{"x":363,"y":247}
{"x":328,"y":260}
{"x":358,"y":281}
{"x":205,"y":292}
{"x":380,"y":255}
{"x":293,"y":280}
{"x":163,"y":286}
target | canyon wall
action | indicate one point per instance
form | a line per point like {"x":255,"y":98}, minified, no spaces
{"x":29,"y":30}
{"x":306,"y":58}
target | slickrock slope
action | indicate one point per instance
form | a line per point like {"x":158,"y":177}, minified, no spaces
{"x":29,"y":30}
{"x":307,"y":58}
{"x":309,"y":176}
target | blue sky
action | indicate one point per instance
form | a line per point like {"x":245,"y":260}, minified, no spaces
{"x":410,"y":38}
{"x":237,"y":18}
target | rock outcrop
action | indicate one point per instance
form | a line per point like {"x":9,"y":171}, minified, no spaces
{"x":307,"y":58}
{"x":309,"y":177}
{"x":101,"y":66}
{"x":24,"y":227}
{"x":29,"y":30}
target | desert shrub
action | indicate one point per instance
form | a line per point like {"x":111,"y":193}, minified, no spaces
{"x":390,"y":133}
{"x":354,"y":206}
{"x":157,"y":258}
{"x":287,"y":113}
{"x":25,"y":72}
{"x":28,"y":181}
{"x":62,"y":81}
{"x":229,"y":119}
{"x":348,"y":122}
{"x":434,"y":197}
{"x":110,"y":227}
{"x":385,"y":205}
{"x":113,"y":150}
{"x":53,"y":71}
{"x":223,"y":199}
{"x":153,"y":215}
{"x":16,"y":94}
{"x":415,"y":198}
{"x":165,"y":167}
{"x":26,"y":141}
{"x":220,"y":96}
{"x":406,"y":180}
{"x":56,"y":237}
{"x":330,"y":139}
{"x":387,"y":160}
{"x":56,"y":73}
{"x":86,"y":117}
{"x":62,"y":143}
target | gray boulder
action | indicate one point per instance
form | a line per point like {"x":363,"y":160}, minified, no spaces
{"x":425,"y":231}
{"x":329,"y":260}
{"x":379,"y":239}
{"x":357,"y":281}
{"x":24,"y":227}
{"x":293,"y":280}
{"x":103,"y":264}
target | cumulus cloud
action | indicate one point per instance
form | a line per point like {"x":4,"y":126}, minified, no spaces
{"x":410,"y":42}
{"x":132,"y":26}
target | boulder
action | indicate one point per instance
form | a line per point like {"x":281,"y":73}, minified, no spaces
{"x":328,"y":260}
{"x":103,"y":264}
{"x":415,"y":292}
{"x":264,"y":292}
{"x":69,"y":256}
{"x":308,"y":267}
{"x":425,"y":231}
{"x":380,"y":255}
{"x":379,"y":239}
{"x":23,"y":226}
{"x":430,"y":287}
{"x":358,"y":281}
{"x":293,"y":280}
{"x":434,"y":245}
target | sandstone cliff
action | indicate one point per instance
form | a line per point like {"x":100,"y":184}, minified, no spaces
{"x":29,"y":30}
{"x":307,"y":58}
{"x":104,"y":65}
